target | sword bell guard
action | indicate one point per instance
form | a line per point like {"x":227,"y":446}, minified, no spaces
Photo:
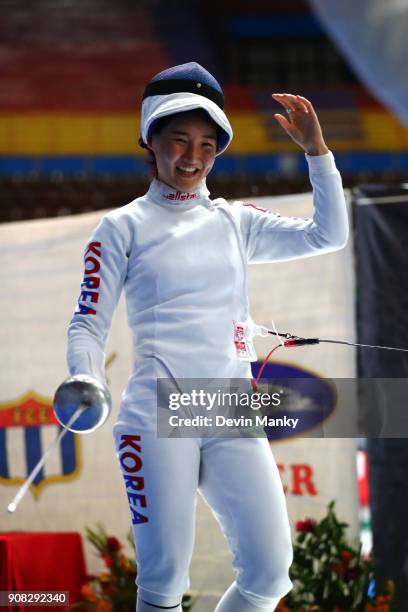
{"x":88,"y":393}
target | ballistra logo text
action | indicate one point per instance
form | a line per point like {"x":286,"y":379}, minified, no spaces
{"x":181,"y":196}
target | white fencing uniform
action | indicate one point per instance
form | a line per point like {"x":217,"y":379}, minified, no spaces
{"x":181,"y":259}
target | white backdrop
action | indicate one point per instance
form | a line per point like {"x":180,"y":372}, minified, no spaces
{"x":40,"y":270}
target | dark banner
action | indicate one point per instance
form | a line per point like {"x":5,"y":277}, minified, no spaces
{"x":381,"y":240}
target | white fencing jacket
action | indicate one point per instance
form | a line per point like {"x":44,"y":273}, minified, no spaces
{"x":182,"y":260}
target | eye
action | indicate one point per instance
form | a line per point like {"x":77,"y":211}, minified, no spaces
{"x":182,"y":140}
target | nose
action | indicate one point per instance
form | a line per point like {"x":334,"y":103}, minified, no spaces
{"x":191,"y":153}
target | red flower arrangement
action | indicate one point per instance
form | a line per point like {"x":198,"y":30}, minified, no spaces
{"x":113,"y":590}
{"x":113,"y":544}
{"x":329,"y":574}
{"x":306,"y":526}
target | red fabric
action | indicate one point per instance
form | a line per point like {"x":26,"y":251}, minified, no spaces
{"x":42,"y":562}
{"x":363,"y":483}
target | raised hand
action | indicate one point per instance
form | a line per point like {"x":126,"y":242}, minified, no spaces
{"x":301,"y":123}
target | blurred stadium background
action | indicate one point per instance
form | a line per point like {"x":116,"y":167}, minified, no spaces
{"x":72,"y":75}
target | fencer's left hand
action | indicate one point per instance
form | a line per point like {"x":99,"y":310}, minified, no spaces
{"x":302,"y":123}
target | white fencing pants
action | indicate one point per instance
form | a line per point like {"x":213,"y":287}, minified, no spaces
{"x":238,"y":478}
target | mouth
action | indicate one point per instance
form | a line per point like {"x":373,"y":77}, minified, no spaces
{"x":187,"y":171}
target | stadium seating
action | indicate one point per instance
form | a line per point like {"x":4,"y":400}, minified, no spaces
{"x":72,"y":76}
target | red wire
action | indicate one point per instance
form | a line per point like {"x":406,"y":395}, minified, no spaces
{"x":255,"y":381}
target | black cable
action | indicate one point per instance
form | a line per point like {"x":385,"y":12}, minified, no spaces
{"x":292,"y":340}
{"x":388,"y":348}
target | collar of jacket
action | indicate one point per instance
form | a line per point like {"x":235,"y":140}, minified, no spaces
{"x":162,"y":193}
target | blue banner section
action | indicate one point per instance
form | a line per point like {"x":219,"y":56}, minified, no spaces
{"x":4,"y":470}
{"x":33,"y":451}
{"x":288,"y":164}
{"x":68,"y":452}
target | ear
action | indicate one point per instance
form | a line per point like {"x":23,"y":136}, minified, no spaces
{"x":149,"y":145}
{"x":143,"y":144}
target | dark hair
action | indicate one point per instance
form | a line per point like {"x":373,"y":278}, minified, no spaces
{"x":161,"y":123}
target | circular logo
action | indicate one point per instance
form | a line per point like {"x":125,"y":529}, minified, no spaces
{"x":306,"y":400}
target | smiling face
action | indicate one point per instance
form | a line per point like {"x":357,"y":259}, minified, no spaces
{"x":184,"y":150}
